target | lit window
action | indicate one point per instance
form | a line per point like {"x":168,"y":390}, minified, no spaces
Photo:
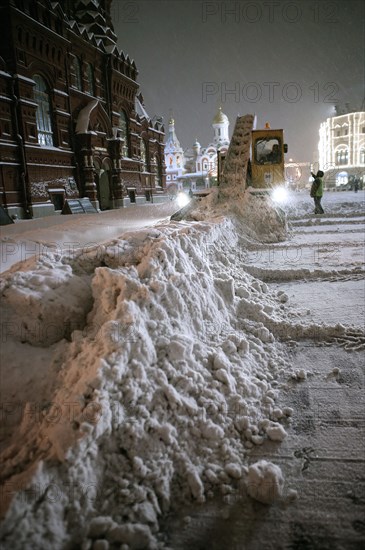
{"x":267,"y":150}
{"x":342,"y":178}
{"x":342,"y":156}
{"x":43,"y":119}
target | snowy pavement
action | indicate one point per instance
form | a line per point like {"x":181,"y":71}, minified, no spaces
{"x":321,"y":266}
{"x":32,"y":238}
{"x":323,"y":459}
{"x":185,"y":386}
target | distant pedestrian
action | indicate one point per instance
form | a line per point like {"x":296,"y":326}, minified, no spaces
{"x":317,"y":191}
{"x":356,"y":184}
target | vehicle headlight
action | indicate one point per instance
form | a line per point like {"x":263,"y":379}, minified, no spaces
{"x":279,"y":195}
{"x":182,"y":199}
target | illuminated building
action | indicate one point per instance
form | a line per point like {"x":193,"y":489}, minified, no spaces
{"x":73,"y":123}
{"x":174,"y":155}
{"x":342,"y":147}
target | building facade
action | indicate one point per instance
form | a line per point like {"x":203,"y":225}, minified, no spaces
{"x":197,"y":166}
{"x":342,"y":147}
{"x":174,"y":156}
{"x":72,"y":119}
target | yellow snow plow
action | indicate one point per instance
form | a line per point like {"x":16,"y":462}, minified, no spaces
{"x":255,"y":158}
{"x":267,"y":160}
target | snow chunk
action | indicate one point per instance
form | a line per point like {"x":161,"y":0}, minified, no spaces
{"x":99,"y":526}
{"x":265,"y":482}
{"x":220,"y":362}
{"x":137,"y":536}
{"x":276,"y":432}
{"x":209,"y":430}
{"x":242,"y":292}
{"x":226,"y":288}
{"x":233,"y":470}
{"x":195,"y":484}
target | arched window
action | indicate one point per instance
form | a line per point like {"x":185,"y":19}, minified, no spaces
{"x":76,"y":73}
{"x":342,"y":156}
{"x":143,"y":155}
{"x":43,"y":118}
{"x":123,"y":127}
{"x":342,"y":178}
{"x":362,"y":156}
{"x":90,"y":79}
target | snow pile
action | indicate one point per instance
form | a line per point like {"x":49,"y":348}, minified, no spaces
{"x":257,"y":217}
{"x":43,"y":306}
{"x":160,"y":394}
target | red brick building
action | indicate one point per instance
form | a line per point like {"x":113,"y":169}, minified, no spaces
{"x":72,"y":119}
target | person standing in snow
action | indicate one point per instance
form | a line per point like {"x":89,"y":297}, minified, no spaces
{"x":317,"y":191}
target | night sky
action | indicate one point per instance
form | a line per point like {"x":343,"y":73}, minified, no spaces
{"x":289,"y":62}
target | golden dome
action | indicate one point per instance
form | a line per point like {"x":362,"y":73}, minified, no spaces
{"x":220,"y":117}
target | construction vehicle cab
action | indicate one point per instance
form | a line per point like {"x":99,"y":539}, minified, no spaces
{"x":267,"y":159}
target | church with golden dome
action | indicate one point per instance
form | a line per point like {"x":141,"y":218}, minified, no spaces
{"x":197,"y":166}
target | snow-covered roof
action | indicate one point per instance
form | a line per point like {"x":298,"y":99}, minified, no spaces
{"x":140,"y":110}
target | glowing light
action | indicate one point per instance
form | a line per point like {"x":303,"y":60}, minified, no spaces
{"x":279,"y":195}
{"x":182,"y":199}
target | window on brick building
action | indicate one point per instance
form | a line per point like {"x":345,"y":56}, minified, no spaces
{"x":143,"y":155}
{"x":43,"y":117}
{"x":76,"y":74}
{"x":123,"y":132}
{"x":158,"y":173}
{"x":90,"y":78}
